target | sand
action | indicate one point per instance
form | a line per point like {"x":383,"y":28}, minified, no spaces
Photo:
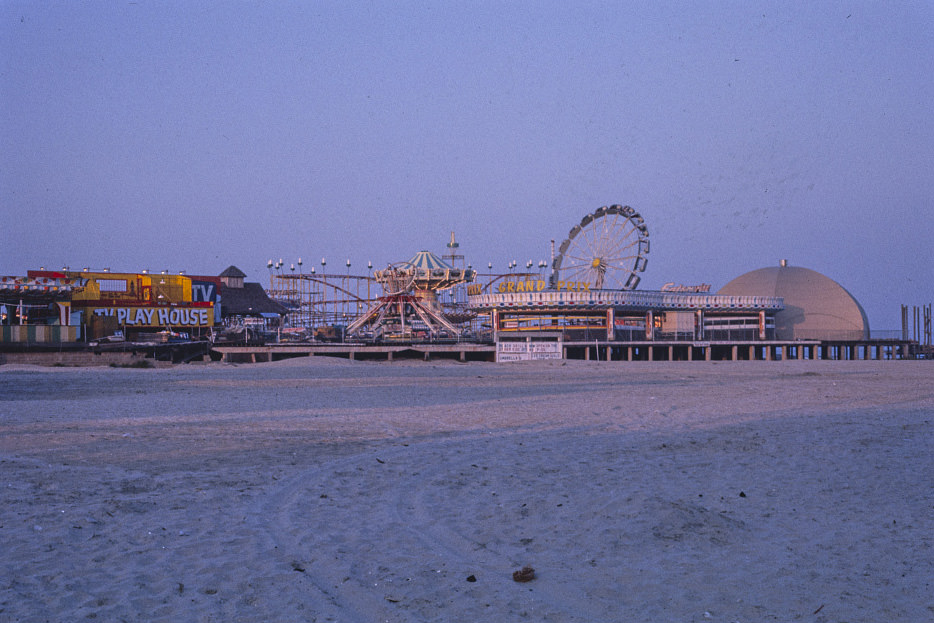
{"x":329,"y":490}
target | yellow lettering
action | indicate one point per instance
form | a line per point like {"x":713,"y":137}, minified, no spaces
{"x":501,"y":287}
{"x":585,"y":285}
{"x":510,"y":286}
{"x":560,"y":285}
{"x":539,"y":285}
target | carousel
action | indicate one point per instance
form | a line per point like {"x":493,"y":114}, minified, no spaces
{"x":409,"y":308}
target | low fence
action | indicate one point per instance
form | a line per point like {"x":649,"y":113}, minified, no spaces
{"x":39,"y":334}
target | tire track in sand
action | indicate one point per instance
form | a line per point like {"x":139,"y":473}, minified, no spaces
{"x":394,"y":534}
{"x":300,"y":529}
{"x":475,"y":521}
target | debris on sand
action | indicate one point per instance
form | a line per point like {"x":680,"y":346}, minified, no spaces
{"x":525,"y":574}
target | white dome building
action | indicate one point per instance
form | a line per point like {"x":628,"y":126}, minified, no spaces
{"x":816,"y":306}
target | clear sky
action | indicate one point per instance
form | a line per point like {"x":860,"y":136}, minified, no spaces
{"x":191,"y":135}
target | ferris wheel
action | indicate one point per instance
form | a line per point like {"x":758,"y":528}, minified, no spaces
{"x":607,"y":250}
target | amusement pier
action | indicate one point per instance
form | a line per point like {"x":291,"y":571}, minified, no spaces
{"x":584,"y":304}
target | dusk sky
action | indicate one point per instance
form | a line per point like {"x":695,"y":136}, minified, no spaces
{"x":188,"y":135}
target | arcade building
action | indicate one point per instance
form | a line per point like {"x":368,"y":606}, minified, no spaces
{"x":57,"y":308}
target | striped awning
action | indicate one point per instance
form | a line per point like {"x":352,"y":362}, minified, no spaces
{"x":426,"y":260}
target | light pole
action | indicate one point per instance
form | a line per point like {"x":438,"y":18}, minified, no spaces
{"x":346,"y":289}
{"x":324,"y":289}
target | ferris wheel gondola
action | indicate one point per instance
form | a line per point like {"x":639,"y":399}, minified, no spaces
{"x":607,"y":249}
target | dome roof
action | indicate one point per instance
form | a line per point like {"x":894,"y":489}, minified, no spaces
{"x":816,"y":306}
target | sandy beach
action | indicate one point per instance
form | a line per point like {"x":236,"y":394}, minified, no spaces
{"x":329,"y":490}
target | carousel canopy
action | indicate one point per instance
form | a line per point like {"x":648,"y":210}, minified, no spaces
{"x":432,"y":273}
{"x":426,"y":260}
{"x":425,"y":271}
